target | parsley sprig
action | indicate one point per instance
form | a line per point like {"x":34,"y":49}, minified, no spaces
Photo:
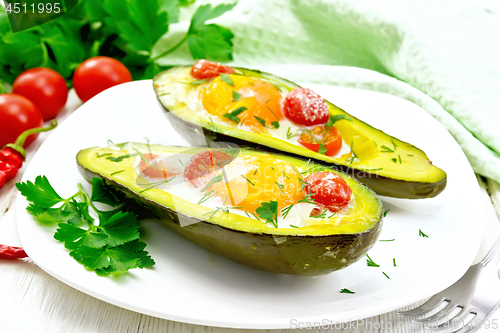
{"x":109,"y":246}
{"x":269,"y":212}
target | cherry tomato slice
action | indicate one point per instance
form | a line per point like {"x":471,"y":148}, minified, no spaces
{"x":329,"y":190}
{"x":305,"y":107}
{"x":204,"y":69}
{"x":330,"y":138}
{"x":155,"y":168}
{"x":45,"y":87}
{"x":203,"y":163}
{"x":17,"y":114}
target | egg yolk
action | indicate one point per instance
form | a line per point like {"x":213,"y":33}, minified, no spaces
{"x":261,"y":100}
{"x":262,"y":179}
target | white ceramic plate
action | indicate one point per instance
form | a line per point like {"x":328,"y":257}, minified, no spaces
{"x":189,"y":284}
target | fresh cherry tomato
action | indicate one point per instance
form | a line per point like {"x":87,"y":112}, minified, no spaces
{"x":305,"y":107}
{"x":45,"y":87}
{"x":204,"y":69}
{"x":17,"y":114}
{"x":203,"y":163}
{"x":98,"y":74}
{"x":320,"y":136}
{"x":329,"y":190}
{"x":155,"y":168}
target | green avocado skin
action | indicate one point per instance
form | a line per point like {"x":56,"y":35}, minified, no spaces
{"x":297,"y":255}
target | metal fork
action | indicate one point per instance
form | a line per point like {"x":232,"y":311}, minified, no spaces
{"x":476,"y":294}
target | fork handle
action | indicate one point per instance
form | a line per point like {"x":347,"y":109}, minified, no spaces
{"x":492,"y":254}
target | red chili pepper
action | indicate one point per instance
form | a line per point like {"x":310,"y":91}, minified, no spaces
{"x":13,"y":154}
{"x":11,"y":252}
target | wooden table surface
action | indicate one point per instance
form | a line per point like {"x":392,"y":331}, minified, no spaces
{"x":33,"y":301}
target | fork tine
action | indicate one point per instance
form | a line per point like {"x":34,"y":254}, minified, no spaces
{"x":444,"y":312}
{"x":456,"y":321}
{"x":427,"y":307}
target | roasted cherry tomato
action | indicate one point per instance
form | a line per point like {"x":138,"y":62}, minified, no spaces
{"x":45,"y":87}
{"x":305,"y":107}
{"x":204,"y":163}
{"x":204,"y":69}
{"x":98,"y":74}
{"x":322,"y":137}
{"x":17,"y":114}
{"x":329,"y":190}
{"x":155,"y":168}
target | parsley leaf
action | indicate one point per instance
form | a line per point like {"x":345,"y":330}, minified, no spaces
{"x":210,"y":40}
{"x":233,"y":115}
{"x":322,"y":149}
{"x":236,"y":96}
{"x":40,"y":192}
{"x":226,"y":78}
{"x":101,"y":194}
{"x":269,"y":212}
{"x":120,"y":228}
{"x":346,"y":291}
{"x":111,"y":247}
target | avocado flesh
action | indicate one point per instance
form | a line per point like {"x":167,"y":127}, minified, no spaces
{"x":316,"y":249}
{"x":401,"y":170}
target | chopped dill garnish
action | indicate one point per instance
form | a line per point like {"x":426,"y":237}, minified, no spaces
{"x":308,"y":199}
{"x":375,"y":142}
{"x":255,"y":171}
{"x":116,"y":172}
{"x":106,"y":154}
{"x":395,"y":160}
{"x":156,"y":184}
{"x":320,"y":216}
{"x":289,"y":134}
{"x":409,"y":154}
{"x":387,"y":211}
{"x":252,"y":214}
{"x":387,"y":276}
{"x":332,"y":215}
{"x":303,"y":183}
{"x":120,"y":158}
{"x":248,"y":180}
{"x":286,"y":210}
{"x":393,"y":144}
{"x":207,"y":196}
{"x":399,"y":157}
{"x":110,"y":142}
{"x":280,"y":186}
{"x":370,"y":262}
{"x":394,"y":262}
{"x":420,"y":233}
{"x":212,"y":181}
{"x":386,"y":149}
{"x":142,"y":157}
{"x":386,"y":240}
{"x":180,"y":161}
{"x":293,"y":226}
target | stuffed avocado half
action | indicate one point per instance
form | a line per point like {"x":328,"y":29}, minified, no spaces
{"x":264,"y":210}
{"x":246,"y":107}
